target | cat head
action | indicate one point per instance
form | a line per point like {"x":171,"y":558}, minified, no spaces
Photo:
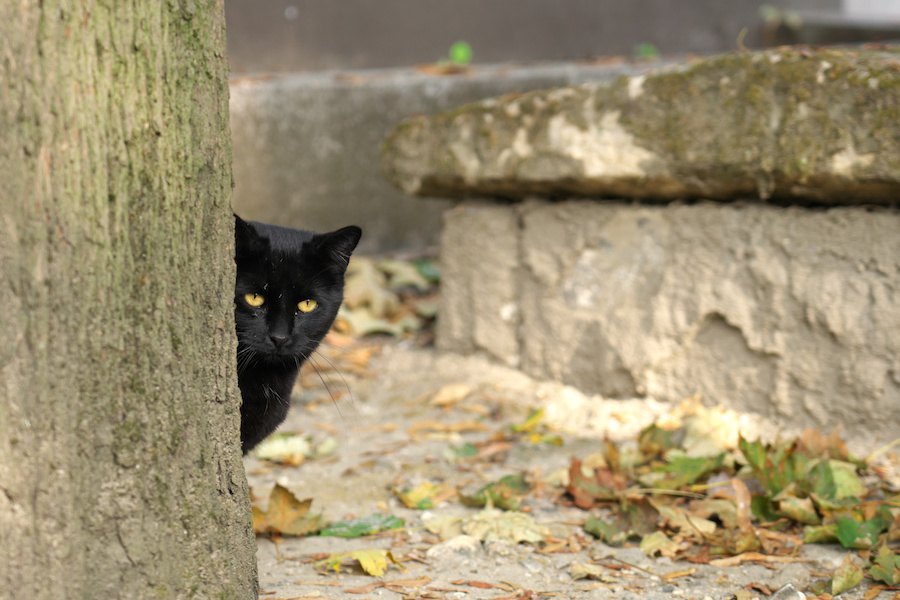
{"x":289,"y":287}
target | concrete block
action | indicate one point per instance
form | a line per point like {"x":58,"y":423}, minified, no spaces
{"x":791,"y":313}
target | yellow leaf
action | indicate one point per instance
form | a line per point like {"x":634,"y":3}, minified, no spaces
{"x":425,"y":495}
{"x":373,"y":561}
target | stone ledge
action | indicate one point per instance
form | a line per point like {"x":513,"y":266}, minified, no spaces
{"x":792,"y":125}
{"x":787,"y":312}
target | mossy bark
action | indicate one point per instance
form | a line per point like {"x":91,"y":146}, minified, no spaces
{"x":120,"y":468}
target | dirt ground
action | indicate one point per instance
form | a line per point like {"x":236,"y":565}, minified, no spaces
{"x":393,"y":433}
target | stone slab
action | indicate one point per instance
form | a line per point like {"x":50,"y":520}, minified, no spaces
{"x":791,"y":313}
{"x":815,"y":126}
{"x":306,"y":146}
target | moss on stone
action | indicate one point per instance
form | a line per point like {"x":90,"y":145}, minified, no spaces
{"x":786,"y":123}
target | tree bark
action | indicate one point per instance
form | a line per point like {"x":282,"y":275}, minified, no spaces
{"x":120,"y":468}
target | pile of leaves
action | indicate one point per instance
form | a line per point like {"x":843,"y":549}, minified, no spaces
{"x":689,"y":488}
{"x":388,"y":296}
{"x":759,"y":502}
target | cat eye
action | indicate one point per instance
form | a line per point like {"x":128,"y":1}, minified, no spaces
{"x":254,"y":300}
{"x":307,"y":306}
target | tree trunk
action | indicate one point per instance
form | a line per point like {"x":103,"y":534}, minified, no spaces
{"x":120,"y":469}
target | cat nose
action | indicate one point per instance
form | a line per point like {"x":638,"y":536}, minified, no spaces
{"x":278,"y":339}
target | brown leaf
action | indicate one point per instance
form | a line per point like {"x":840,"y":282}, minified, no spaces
{"x":742,"y":501}
{"x":286,"y":515}
{"x":732,"y":561}
{"x":421,"y":427}
{"x":587,"y":486}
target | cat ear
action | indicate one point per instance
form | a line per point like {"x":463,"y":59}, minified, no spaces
{"x":245,"y":236}
{"x":339,"y":245}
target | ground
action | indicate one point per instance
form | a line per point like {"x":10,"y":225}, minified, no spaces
{"x":412,"y":410}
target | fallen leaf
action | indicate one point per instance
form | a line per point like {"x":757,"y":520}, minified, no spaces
{"x":688,"y":524}
{"x":285,"y":515}
{"x":847,"y":576}
{"x":482,"y":585}
{"x":404,"y":274}
{"x":292,"y":449}
{"x":589,"y":486}
{"x":681,"y":470}
{"x":397,"y":586}
{"x":365,"y":284}
{"x":360,"y":527}
{"x":440,"y":427}
{"x":659,"y":543}
{"x":800,"y":510}
{"x":373,"y":561}
{"x":887,"y":566}
{"x":446,"y":527}
{"x":859,"y":534}
{"x":836,"y":480}
{"x":732,"y":561}
{"x":610,"y":532}
{"x":450,"y":394}
{"x":362,"y":321}
{"x":588,"y":571}
{"x":492,"y":524}
{"x":673,"y":575}
{"x":820,"y":534}
{"x":505,"y":494}
{"x":425,"y":495}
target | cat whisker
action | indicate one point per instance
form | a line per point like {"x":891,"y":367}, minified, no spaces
{"x":315,"y":367}
{"x":338,"y":371}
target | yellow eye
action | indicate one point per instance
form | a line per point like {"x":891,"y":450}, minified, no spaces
{"x":307,"y":306}
{"x":254,"y":300}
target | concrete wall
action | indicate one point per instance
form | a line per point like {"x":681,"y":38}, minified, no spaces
{"x":788,"y":312}
{"x":300,"y":35}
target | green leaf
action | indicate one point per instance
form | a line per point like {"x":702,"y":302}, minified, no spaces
{"x":504,"y":494}
{"x":836,"y":480}
{"x":820,"y":534}
{"x":531,"y":423}
{"x":467,"y":450}
{"x":429,"y":270}
{"x":684,"y":470}
{"x":605,"y":531}
{"x":460,"y":53}
{"x":847,"y":576}
{"x":763,"y":509}
{"x":859,"y":535}
{"x":655,"y":441}
{"x":887,"y":567}
{"x":365,"y":526}
{"x":776,"y":467}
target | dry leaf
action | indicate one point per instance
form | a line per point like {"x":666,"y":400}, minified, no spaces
{"x":373,"y":561}
{"x":450,"y":394}
{"x":285,"y":515}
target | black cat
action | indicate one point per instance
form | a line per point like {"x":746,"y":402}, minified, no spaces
{"x":289,"y":287}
